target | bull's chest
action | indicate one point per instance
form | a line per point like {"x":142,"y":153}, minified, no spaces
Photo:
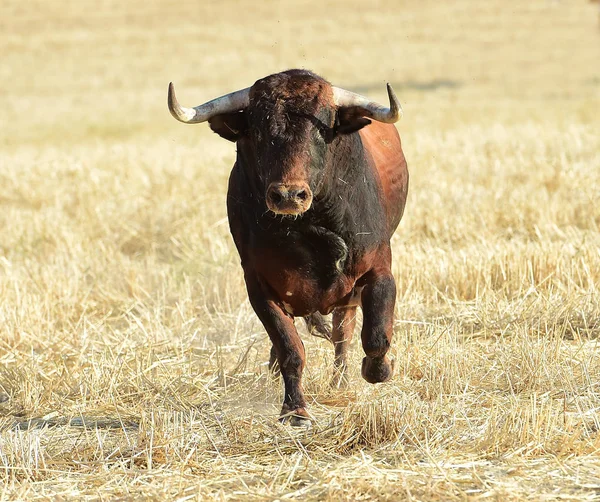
{"x":305,"y":271}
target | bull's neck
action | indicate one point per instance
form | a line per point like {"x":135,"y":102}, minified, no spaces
{"x":349,"y":202}
{"x":346,"y":159}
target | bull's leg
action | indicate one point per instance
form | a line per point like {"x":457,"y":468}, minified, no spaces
{"x":316,"y":325}
{"x":288,"y":349}
{"x":344,"y":320}
{"x":378,"y":299}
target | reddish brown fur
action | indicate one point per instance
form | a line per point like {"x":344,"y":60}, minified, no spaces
{"x":383,"y":144}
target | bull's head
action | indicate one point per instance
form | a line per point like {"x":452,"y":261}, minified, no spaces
{"x":284,"y":125}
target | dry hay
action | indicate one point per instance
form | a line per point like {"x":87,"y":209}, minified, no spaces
{"x":132,"y":365}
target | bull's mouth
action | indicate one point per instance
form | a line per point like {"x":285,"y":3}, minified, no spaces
{"x":287,"y":211}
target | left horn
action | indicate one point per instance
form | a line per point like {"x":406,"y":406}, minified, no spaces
{"x":229,"y":103}
{"x":344,"y":98}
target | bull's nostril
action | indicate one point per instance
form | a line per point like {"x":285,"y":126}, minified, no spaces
{"x":276,"y":197}
{"x":302,"y":195}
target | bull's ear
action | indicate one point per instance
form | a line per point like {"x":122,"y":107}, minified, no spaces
{"x":231,"y":126}
{"x":350,"y":120}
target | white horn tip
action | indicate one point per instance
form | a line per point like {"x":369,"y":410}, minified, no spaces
{"x":395,"y":106}
{"x":178,"y":112}
{"x":171,"y":99}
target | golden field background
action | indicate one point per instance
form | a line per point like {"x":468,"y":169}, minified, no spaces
{"x":131,"y":364}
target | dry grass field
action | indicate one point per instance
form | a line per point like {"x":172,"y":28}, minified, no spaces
{"x":131,"y":364}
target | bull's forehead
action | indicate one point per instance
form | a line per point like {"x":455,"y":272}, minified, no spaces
{"x":296,"y":91}
{"x":280,"y":105}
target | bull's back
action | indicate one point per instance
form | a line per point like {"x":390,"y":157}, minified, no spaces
{"x":382,"y":142}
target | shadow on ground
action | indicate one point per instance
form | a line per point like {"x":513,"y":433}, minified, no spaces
{"x":414,"y":85}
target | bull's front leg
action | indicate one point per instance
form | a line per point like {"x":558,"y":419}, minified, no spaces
{"x":378,"y":300}
{"x":287,"y":347}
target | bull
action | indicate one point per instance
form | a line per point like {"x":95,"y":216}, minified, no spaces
{"x":318,"y":187}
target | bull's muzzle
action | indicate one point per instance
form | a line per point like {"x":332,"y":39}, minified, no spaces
{"x":289,"y":198}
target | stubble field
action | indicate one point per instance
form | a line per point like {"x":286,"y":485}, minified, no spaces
{"x":131,"y":363}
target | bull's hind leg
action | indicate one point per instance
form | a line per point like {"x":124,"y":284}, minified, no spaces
{"x":378,"y":299}
{"x":344,"y":320}
{"x":288,"y":349}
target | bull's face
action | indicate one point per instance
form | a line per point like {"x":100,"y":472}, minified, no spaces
{"x":290,"y":124}
{"x":284,"y":125}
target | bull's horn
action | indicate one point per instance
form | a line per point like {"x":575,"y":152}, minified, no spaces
{"x":229,"y":103}
{"x":344,"y":98}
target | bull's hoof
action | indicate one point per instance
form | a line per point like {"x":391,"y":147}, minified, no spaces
{"x":377,"y":369}
{"x":297,"y":418}
{"x":298,"y":421}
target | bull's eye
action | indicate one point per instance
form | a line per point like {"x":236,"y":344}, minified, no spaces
{"x":325,"y":133}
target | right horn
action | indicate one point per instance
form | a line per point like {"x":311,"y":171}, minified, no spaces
{"x":229,"y":103}
{"x":343,"y":98}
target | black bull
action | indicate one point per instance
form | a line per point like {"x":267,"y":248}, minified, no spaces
{"x":315,"y":194}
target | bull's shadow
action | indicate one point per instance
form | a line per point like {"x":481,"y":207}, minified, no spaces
{"x":414,"y":85}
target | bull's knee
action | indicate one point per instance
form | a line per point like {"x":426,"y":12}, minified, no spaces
{"x":378,"y":369}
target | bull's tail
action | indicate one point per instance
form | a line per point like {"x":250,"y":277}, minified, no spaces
{"x":317,"y":326}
